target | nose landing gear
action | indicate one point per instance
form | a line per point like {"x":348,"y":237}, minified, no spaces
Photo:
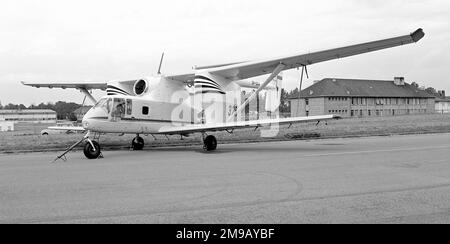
{"x":92,"y":149}
{"x":138,"y":143}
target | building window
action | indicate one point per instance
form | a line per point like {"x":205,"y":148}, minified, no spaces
{"x":307,"y":102}
{"x":369,"y":112}
{"x":307,"y":113}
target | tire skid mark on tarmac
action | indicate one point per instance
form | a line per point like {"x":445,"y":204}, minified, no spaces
{"x":298,"y":185}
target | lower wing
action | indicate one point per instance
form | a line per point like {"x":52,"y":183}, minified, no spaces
{"x":188,"y":129}
{"x":67,"y":128}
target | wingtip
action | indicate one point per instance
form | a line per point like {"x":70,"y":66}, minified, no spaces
{"x":417,"y":35}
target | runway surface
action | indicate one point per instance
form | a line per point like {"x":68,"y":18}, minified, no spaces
{"x":399,"y":179}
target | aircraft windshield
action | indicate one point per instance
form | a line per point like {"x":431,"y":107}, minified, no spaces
{"x":116,"y":108}
{"x":100,"y":103}
{"x":105,"y":104}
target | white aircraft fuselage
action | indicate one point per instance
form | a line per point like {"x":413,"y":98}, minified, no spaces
{"x":134,"y":109}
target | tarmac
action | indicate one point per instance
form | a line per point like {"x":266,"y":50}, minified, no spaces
{"x":397,"y":179}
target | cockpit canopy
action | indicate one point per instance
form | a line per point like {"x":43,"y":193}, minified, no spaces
{"x":116,"y":107}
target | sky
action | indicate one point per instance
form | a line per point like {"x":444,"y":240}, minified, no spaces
{"x":101,"y":40}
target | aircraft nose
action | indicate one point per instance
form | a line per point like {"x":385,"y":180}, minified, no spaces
{"x":87,"y":119}
{"x":85,"y":122}
{"x":92,"y":118}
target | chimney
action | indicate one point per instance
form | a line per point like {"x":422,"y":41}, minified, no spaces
{"x":399,"y":81}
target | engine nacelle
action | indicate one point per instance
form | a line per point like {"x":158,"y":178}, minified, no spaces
{"x":138,"y":87}
{"x":120,"y":88}
{"x":154,"y":88}
{"x":141,"y":87}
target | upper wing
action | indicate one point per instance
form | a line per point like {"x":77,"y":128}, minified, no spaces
{"x":65,"y":85}
{"x":247,"y":70}
{"x":172,"y":130}
{"x":182,"y":78}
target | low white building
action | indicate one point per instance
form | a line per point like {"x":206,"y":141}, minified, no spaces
{"x":44,"y":116}
{"x":6,"y":126}
{"x":443,"y":105}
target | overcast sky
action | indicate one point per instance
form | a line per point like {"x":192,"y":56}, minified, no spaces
{"x":56,"y":40}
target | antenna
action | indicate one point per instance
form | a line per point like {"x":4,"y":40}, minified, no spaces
{"x":160,"y":64}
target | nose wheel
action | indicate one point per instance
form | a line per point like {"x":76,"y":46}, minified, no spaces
{"x":210,"y":143}
{"x":138,"y":143}
{"x":92,"y":150}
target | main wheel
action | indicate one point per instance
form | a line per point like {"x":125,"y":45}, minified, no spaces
{"x":89,"y":151}
{"x":138,"y":143}
{"x":210,"y":143}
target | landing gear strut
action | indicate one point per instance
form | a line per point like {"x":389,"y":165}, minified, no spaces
{"x":92,"y":149}
{"x":138,"y":143}
{"x":210,"y":143}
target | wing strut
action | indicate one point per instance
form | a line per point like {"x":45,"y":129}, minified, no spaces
{"x":274,"y":74}
{"x":89,"y":95}
{"x":304,"y":68}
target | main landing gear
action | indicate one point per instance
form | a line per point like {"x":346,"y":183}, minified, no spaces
{"x":209,"y":143}
{"x":138,"y":143}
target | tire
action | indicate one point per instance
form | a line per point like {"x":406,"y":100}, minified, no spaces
{"x":89,"y":152}
{"x":138,"y":143}
{"x":210,"y":143}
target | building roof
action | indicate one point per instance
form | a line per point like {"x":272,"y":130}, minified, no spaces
{"x":332,"y":87}
{"x":442,"y":99}
{"x":27,"y":111}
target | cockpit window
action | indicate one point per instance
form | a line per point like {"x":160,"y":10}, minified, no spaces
{"x":129,"y":106}
{"x":119,"y":108}
{"x":108,"y":105}
{"x":105,"y":104}
{"x":100,"y":103}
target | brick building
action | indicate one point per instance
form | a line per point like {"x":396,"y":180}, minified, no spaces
{"x":362,"y":98}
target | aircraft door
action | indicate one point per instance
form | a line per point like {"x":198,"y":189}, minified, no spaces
{"x":118,"y":110}
{"x":129,"y":108}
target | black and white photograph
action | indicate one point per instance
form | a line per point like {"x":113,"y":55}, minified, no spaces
{"x":225,"y":113}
